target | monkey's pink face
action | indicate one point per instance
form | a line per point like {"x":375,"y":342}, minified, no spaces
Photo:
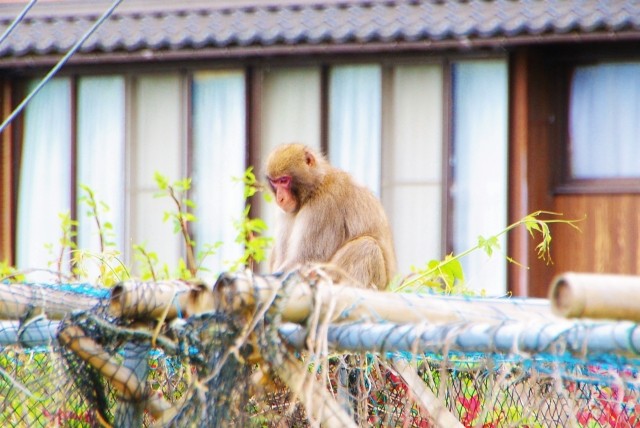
{"x":285,"y":198}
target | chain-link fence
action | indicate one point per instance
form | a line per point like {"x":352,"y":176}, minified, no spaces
{"x":296,"y":352}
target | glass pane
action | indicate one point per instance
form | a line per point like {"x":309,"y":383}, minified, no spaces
{"x":355,"y":122}
{"x":219,"y":156}
{"x":158,"y":146}
{"x":604,"y":121}
{"x":412,"y":162}
{"x":291,"y":107}
{"x":479,"y":190}
{"x":45,"y":175}
{"x":101,"y":159}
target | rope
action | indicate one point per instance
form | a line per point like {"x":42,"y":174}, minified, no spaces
{"x":59,"y":65}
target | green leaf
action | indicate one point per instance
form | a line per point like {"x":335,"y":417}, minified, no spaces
{"x":256,"y":225}
{"x":532,"y":224}
{"x":488,"y":245}
{"x":183,"y":185}
{"x":433,"y":264}
{"x":454,"y":268}
{"x":249,"y":176}
{"x":161,"y":181}
{"x":249,"y":191}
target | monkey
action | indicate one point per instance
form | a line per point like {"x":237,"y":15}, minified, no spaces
{"x":327,"y":218}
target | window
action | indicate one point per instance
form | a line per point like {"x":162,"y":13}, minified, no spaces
{"x":112,"y":134}
{"x":604,"y":121}
{"x":382,"y":123}
{"x":157,"y":144}
{"x":291,"y":107}
{"x":479,"y":188}
{"x":218,"y":107}
{"x":413,"y":141}
{"x":45,"y":173}
{"x":354,"y":122}
{"x":101,"y":153}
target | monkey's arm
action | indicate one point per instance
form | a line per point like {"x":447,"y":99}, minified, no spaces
{"x":316,"y":234}
{"x":281,"y":243}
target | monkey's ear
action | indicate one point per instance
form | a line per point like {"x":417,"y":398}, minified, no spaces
{"x":309,"y":158}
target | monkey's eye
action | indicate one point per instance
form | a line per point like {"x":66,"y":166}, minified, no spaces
{"x":282,"y":181}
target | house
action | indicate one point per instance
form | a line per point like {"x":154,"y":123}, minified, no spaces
{"x":463,"y":116}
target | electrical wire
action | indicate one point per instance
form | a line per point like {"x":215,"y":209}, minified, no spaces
{"x":59,"y":65}
{"x":17,"y":20}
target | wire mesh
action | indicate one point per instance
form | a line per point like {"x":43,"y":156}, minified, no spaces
{"x":239,"y":367}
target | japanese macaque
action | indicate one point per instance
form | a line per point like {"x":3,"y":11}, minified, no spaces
{"x":327,"y":218}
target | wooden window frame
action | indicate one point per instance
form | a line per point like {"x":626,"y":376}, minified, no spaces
{"x":564,"y":182}
{"x":8,"y":174}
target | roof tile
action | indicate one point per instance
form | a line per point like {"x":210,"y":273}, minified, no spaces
{"x":311,"y":22}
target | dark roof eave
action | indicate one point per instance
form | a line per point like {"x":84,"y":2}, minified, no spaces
{"x":146,"y":55}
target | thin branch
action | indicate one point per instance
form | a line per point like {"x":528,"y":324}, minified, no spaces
{"x":522,"y":222}
{"x":191,"y":260}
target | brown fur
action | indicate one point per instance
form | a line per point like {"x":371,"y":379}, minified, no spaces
{"x":335,"y":221}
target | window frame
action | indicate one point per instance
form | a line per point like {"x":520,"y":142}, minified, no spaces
{"x":563,"y":179}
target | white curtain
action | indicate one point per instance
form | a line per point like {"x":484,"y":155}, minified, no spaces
{"x":219,"y":155}
{"x":158,"y":138}
{"x":479,"y":191}
{"x":412,"y":162}
{"x":604,"y":121}
{"x":101,"y":158}
{"x":290,"y":107}
{"x":45,"y":174}
{"x":355,"y":121}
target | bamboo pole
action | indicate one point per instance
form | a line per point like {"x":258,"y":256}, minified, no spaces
{"x":442,"y":417}
{"x":152,"y":300}
{"x":342,"y":303}
{"x":123,"y":379}
{"x":322,"y":407}
{"x":579,"y":295}
{"x":18,"y":301}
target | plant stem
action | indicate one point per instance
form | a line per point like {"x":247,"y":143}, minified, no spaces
{"x":96,"y":217}
{"x":149,"y":262}
{"x":456,"y":257}
{"x":191,"y":260}
{"x":60,"y":257}
{"x":523,"y":221}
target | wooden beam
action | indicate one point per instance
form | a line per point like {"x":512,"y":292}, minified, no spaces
{"x":6,"y":179}
{"x":518,"y":278}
